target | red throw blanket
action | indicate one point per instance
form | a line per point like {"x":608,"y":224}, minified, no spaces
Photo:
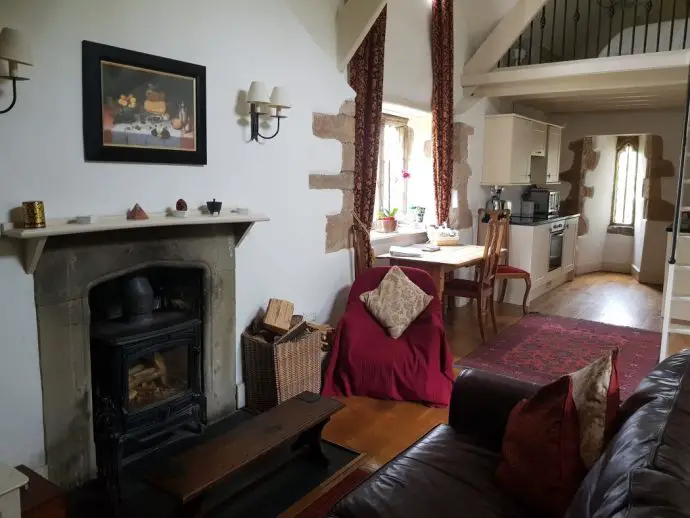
{"x":366,"y":361}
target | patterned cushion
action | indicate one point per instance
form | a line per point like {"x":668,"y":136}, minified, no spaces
{"x":554,"y":438}
{"x":397,"y":302}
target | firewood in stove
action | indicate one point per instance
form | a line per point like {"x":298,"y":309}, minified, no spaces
{"x":136,"y":368}
{"x":160,"y":365}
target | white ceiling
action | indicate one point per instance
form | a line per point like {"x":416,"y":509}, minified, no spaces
{"x":480,"y":17}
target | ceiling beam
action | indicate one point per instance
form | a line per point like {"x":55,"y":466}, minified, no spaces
{"x":503,"y":36}
{"x":353,"y":22}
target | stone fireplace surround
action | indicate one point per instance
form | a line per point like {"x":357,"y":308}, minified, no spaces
{"x":70,"y":266}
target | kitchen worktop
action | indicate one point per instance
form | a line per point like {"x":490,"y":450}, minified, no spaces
{"x":532,"y":222}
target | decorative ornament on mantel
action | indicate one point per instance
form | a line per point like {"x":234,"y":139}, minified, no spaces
{"x":214,"y":206}
{"x":180,"y":209}
{"x":137,"y":213}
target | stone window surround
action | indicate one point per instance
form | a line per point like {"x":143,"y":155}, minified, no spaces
{"x":69,"y":268}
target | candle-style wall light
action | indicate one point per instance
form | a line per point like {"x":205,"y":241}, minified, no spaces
{"x":261,"y":104}
{"x":14,"y":49}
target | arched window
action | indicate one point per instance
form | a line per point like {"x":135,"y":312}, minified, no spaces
{"x":624,"y":186}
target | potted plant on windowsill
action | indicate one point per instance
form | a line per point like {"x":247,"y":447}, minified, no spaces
{"x":387,"y":220}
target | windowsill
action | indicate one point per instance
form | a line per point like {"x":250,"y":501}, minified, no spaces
{"x":621,"y":230}
{"x":402,"y":234}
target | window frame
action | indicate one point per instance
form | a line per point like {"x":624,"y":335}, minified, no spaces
{"x":612,"y":223}
{"x":401,"y":123}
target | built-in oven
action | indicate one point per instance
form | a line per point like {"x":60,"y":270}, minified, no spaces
{"x":556,"y":245}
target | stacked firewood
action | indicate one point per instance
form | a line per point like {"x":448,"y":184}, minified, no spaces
{"x":279,"y":323}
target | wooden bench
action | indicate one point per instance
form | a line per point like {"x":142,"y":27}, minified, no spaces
{"x":297,"y":422}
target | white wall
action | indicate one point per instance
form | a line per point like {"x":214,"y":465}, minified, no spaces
{"x":42,"y":158}
{"x":618,"y":253}
{"x":640,"y":222}
{"x":407,"y":78}
{"x":590,"y":247}
{"x":318,"y":18}
{"x":668,"y":124}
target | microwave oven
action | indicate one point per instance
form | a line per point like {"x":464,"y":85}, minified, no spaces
{"x":546,"y":203}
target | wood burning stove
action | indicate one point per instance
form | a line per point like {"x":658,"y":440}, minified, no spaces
{"x":146,"y":365}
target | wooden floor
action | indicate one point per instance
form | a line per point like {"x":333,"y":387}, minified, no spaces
{"x":382,"y":429}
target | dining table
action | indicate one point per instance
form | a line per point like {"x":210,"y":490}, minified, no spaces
{"x":439,"y":263}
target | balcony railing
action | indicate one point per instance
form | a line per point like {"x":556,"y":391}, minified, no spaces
{"x":565,"y":30}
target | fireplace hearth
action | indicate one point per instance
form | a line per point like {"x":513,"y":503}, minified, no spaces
{"x":146,"y":364}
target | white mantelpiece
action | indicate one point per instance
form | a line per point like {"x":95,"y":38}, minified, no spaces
{"x":35,"y":239}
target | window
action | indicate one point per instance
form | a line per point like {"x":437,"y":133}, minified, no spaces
{"x":391,"y":187}
{"x":624,"y":186}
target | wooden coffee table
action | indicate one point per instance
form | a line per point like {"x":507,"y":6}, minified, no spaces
{"x":297,"y":422}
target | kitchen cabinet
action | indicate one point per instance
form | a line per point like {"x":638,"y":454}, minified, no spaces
{"x":529,"y":247}
{"x":539,"y":131}
{"x":508,"y":143}
{"x":553,"y":154}
{"x":517,"y":151}
{"x":569,"y":245}
{"x":540,"y":252}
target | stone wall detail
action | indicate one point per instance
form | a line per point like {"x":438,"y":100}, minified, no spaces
{"x":461,"y":216}
{"x":655,"y":207}
{"x":340,"y":127}
{"x":585,"y":158}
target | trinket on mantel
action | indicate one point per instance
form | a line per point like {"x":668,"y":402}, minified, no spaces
{"x":137,"y":213}
{"x":180,"y":209}
{"x":214,"y":206}
{"x":34,"y":214}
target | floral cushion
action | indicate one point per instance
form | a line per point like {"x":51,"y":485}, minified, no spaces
{"x":397,"y":302}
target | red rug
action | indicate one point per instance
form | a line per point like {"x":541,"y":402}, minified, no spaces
{"x":542,"y":348}
{"x":321,"y":507}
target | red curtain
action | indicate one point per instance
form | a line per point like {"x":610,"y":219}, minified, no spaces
{"x":442,"y":104}
{"x":366,"y":78}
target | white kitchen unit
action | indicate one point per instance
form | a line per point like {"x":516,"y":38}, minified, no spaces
{"x":11,"y":482}
{"x":553,"y":154}
{"x":520,"y":151}
{"x":530,"y":248}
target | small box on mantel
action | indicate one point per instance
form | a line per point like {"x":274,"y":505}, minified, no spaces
{"x":278,"y":315}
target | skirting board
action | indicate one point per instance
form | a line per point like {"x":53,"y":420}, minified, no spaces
{"x":617,"y":267}
{"x":635,"y":272}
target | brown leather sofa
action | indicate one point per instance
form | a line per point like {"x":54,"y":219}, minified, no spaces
{"x":644,"y":471}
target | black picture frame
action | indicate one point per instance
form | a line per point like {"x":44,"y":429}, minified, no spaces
{"x":95,"y":108}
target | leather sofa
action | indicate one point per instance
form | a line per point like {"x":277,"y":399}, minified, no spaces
{"x":643,"y":472}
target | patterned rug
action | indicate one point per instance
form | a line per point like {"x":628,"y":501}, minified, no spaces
{"x":321,"y":506}
{"x":541,"y":348}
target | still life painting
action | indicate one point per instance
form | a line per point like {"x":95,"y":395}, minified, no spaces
{"x":142,"y":108}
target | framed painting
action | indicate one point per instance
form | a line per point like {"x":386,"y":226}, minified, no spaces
{"x":142,"y":108}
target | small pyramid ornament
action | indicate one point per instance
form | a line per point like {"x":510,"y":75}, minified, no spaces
{"x":137,"y":213}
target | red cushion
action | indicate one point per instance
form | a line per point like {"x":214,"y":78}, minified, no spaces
{"x":506,"y":268}
{"x":545,"y":453}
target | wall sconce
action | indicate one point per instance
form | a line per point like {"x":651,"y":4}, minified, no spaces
{"x":259,"y":101}
{"x":14,"y":49}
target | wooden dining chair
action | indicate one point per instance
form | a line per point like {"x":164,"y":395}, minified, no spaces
{"x":482,"y":288}
{"x":505,"y":271}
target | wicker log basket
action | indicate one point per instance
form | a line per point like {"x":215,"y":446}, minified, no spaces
{"x":276,"y":372}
